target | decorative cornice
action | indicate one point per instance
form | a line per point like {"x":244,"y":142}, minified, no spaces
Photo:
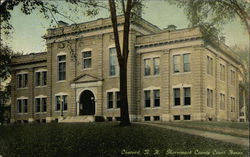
{"x":166,"y":42}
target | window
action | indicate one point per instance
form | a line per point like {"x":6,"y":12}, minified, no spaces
{"x":233,"y":104}
{"x":186,"y":117}
{"x":147,"y":118}
{"x":22,"y":80}
{"x":210,"y":96}
{"x":156,"y":98}
{"x":118,"y":99}
{"x":187,"y":96}
{"x":38,"y":78}
{"x":58,"y":106}
{"x":222,"y":72}
{"x":156,"y":118}
{"x":86,"y":63}
{"x":44,"y":104}
{"x":209,"y":65}
{"x":44,"y":78}
{"x":177,"y":99}
{"x":22,"y":106}
{"x":147,"y":65}
{"x":186,"y":63}
{"x":38,"y":104}
{"x":65,"y":102}
{"x":61,"y":67}
{"x":110,"y":99}
{"x":222,"y":101}
{"x":147,"y":98}
{"x":176,"y":59}
{"x":109,"y":118}
{"x":113,"y":63}
{"x":177,"y":117}
{"x":156,"y":63}
{"x":232,"y":77}
{"x":41,"y":78}
{"x":61,"y":102}
{"x":25,"y":105}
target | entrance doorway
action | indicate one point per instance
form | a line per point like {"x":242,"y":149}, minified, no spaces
{"x":87,"y":103}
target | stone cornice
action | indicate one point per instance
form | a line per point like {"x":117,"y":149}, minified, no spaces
{"x":154,"y":44}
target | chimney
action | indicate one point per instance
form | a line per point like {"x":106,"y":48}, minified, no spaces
{"x":62,"y":24}
{"x":171,"y":28}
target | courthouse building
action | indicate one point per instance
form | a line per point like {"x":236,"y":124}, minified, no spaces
{"x":172,"y":75}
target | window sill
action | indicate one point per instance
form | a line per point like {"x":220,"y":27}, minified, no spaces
{"x":150,"y":76}
{"x":36,"y":113}
{"x":61,"y":81}
{"x":115,"y":76}
{"x":181,"y":73}
{"x":22,"y":88}
{"x":40,"y":86}
{"x":22,"y":113}
{"x":87,"y":69}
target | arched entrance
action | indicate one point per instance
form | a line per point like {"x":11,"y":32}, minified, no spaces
{"x":87,"y":103}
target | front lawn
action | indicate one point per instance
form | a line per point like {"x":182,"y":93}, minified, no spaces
{"x":105,"y":140}
{"x":230,"y":128}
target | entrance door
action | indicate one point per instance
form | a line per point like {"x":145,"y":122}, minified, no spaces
{"x":87,"y":103}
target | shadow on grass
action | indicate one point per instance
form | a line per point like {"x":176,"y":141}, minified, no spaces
{"x":102,"y":139}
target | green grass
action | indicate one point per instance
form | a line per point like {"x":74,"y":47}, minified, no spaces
{"x":230,"y":128}
{"x":101,"y":140}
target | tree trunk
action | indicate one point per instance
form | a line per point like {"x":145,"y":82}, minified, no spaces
{"x":124,"y":95}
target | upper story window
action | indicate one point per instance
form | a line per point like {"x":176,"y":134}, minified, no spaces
{"x":156,"y":64}
{"x":187,"y":96}
{"x":177,"y":98}
{"x":210,"y":96}
{"x":61,"y":102}
{"x":147,"y":98}
{"x":22,"y":80}
{"x":232,"y":77}
{"x":41,"y":104}
{"x":181,"y":63}
{"x":147,"y":67}
{"x":22,"y":106}
{"x":222,"y":72}
{"x":186,"y":62}
{"x":209,"y":65}
{"x":156,"y":98}
{"x":113,"y":63}
{"x":61,"y":61}
{"x":177,"y":62}
{"x":222,"y":101}
{"x":41,"y":78}
{"x":86,"y":60}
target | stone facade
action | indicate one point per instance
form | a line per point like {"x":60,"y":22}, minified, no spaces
{"x":172,"y":75}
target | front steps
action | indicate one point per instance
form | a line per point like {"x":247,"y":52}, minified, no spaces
{"x":72,"y":119}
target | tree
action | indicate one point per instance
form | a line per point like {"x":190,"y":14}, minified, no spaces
{"x":212,"y":14}
{"x":128,"y":9}
{"x":5,"y":58}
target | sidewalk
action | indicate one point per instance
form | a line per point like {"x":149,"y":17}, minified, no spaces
{"x":216,"y":136}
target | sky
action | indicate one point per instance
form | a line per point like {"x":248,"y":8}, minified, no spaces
{"x":29,"y":29}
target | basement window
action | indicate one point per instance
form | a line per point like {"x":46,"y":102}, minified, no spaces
{"x":109,"y":119}
{"x":186,"y":117}
{"x":147,"y":118}
{"x":156,"y":118}
{"x":177,"y":117}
